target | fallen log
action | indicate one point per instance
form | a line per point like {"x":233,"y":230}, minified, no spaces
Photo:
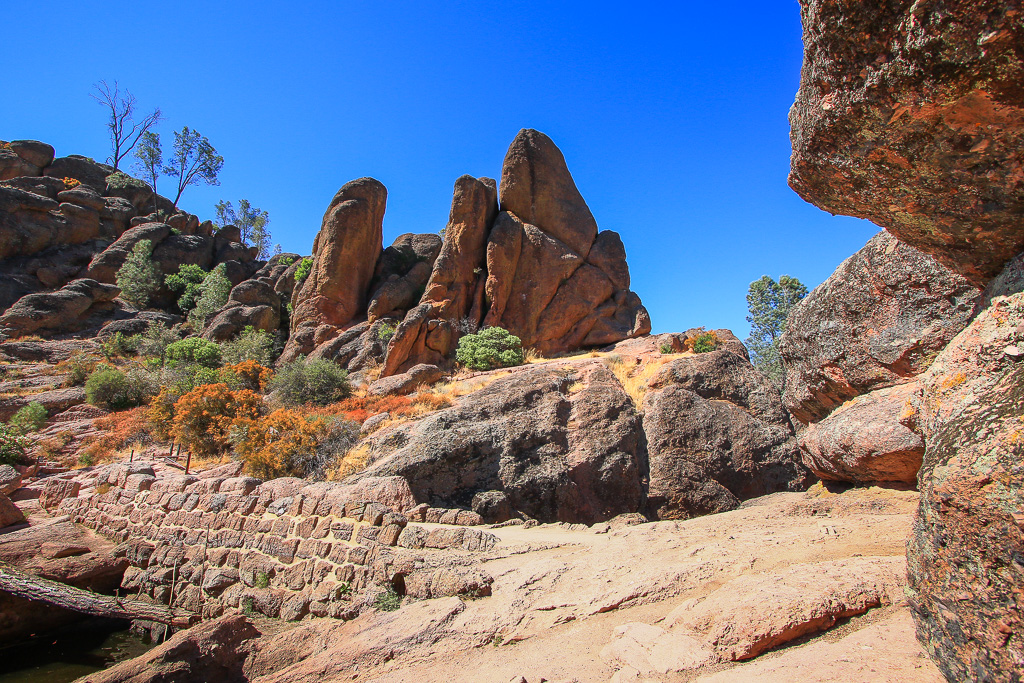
{"x":23,"y":585}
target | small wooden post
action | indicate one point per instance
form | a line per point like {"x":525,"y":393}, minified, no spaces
{"x":132,"y":456}
{"x":188,"y":461}
{"x":170,"y":454}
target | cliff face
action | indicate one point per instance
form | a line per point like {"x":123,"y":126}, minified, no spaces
{"x":911,"y":114}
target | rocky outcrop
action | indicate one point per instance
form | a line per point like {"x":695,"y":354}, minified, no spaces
{"x":407,"y":382}
{"x":24,"y":158}
{"x":717,"y":434}
{"x":66,"y":309}
{"x":876,"y":322}
{"x":558,"y":444}
{"x":258,"y":302}
{"x":964,"y":554}
{"x":910,"y":115}
{"x":538,"y":268}
{"x":863,"y":441}
{"x":455,"y":291}
{"x":345,"y":255}
{"x":552,"y":279}
{"x":9,"y":512}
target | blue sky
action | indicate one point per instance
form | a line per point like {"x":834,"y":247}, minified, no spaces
{"x":671,"y":116}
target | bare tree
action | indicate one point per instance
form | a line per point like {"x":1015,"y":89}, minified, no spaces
{"x":194,"y":161}
{"x":125,"y":131}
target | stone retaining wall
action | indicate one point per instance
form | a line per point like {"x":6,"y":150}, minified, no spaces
{"x":283,"y":548}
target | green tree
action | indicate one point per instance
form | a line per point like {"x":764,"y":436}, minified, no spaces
{"x":125,"y":131}
{"x":216,"y":288}
{"x":249,"y":220}
{"x":769,"y":303}
{"x":187,"y":283}
{"x":194,"y":161}
{"x":139,"y":277}
{"x":149,"y":160}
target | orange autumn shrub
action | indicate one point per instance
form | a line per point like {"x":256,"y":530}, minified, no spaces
{"x":248,"y":374}
{"x":161,"y":413}
{"x":203,"y":417}
{"x":119,"y":431}
{"x":279,"y":444}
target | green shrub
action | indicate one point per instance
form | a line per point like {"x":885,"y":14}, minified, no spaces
{"x":119,"y":344}
{"x":154,"y":341}
{"x":251,"y":344}
{"x":13,"y":446}
{"x":317,"y":381}
{"x":665,"y":348}
{"x":122,"y":180}
{"x":493,"y":347}
{"x":78,"y":367}
{"x":30,"y":418}
{"x":193,"y":350}
{"x":110,"y":388}
{"x":139,"y":277}
{"x":302,"y":272}
{"x":703,"y":343}
{"x":388,"y":601}
{"x":385,"y":332}
{"x":213,"y":295}
{"x":187,"y":284}
{"x":285,"y":260}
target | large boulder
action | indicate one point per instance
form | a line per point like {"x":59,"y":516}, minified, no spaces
{"x":910,"y":114}
{"x":345,"y":255}
{"x":877,"y":321}
{"x":104,"y":266}
{"x":717,"y":434}
{"x":252,"y":303}
{"x":560,"y":444}
{"x":864,"y":442}
{"x":9,"y":512}
{"x":83,"y":169}
{"x":65,"y":310}
{"x":541,"y":284}
{"x":964,"y":555}
{"x":24,"y":158}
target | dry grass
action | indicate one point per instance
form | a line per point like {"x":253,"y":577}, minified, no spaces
{"x":354,"y":461}
{"x":635,"y":378}
{"x":52,"y":447}
{"x":532,"y":355}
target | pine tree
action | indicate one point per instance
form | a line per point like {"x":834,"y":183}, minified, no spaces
{"x":139,"y":277}
{"x":769,"y":303}
{"x":215,"y":289}
{"x":250,"y":221}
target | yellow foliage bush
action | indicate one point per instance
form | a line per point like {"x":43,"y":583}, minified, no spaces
{"x":248,"y":374}
{"x":71,"y":183}
{"x":271,"y":445}
{"x":203,"y":417}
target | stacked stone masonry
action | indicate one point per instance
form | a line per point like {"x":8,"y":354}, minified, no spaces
{"x":207,"y":545}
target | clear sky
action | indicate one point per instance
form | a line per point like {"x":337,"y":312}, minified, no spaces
{"x":672,"y":117}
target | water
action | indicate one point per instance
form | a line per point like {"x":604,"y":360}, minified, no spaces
{"x":75,"y":651}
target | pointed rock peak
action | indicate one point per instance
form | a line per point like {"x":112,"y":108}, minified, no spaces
{"x":537,"y":187}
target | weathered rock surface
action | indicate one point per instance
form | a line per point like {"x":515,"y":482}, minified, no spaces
{"x":212,"y":651}
{"x":345,"y":255}
{"x":9,"y":512}
{"x":561,"y":445}
{"x":407,"y":382}
{"x":753,"y":614}
{"x":66,"y":309}
{"x":717,"y":434}
{"x":541,"y":284}
{"x":964,"y":554}
{"x":882,"y":651}
{"x":10,"y":480}
{"x":910,"y":115}
{"x":863,"y":440}
{"x":876,"y":322}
